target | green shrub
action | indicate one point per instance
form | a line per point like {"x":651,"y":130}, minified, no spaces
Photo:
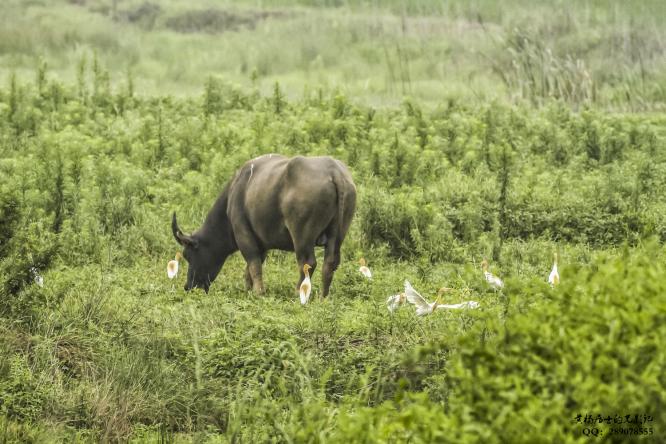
{"x":10,"y":217}
{"x":602,"y":356}
{"x":23,"y":393}
{"x":407,"y":223}
{"x":32,"y":250}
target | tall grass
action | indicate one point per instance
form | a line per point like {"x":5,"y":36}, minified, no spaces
{"x":607,"y":53}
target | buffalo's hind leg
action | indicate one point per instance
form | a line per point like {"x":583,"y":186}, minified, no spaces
{"x":252,"y":253}
{"x":248,"y":278}
{"x":249,"y":281}
{"x":331,"y":262}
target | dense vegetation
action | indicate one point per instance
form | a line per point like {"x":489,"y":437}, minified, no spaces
{"x":110,"y":349}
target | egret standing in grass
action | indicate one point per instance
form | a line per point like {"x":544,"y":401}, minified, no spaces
{"x":554,"y":277}
{"x":365,"y":271}
{"x":493,"y":280}
{"x":306,"y":285}
{"x":39,"y":280}
{"x":394,"y":302}
{"x":172,"y":266}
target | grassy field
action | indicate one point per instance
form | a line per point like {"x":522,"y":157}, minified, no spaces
{"x":472,"y":131}
{"x":608,"y":53}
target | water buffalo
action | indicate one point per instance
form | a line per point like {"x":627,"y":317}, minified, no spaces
{"x":273,"y":202}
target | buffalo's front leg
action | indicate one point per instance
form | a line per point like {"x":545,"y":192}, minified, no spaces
{"x":252,"y":253}
{"x":305,"y":255}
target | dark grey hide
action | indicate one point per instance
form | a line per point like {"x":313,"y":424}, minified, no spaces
{"x":273,"y":202}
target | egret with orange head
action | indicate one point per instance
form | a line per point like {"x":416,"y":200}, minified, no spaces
{"x":306,"y":285}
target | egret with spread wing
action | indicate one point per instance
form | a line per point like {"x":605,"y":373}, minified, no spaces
{"x":423,"y":307}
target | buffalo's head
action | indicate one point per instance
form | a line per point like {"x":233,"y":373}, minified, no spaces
{"x":202,"y":255}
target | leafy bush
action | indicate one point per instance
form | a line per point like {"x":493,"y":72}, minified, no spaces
{"x":32,"y":250}
{"x":407,"y":223}
{"x":9,"y":218}
{"x":601,"y":356}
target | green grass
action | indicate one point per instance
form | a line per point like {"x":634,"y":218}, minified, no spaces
{"x":129,"y":350}
{"x":110,"y":349}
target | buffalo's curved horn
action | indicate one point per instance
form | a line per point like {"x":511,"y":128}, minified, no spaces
{"x":181,"y":238}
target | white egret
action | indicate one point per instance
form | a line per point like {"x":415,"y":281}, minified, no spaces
{"x":493,"y":280}
{"x":172,"y":266}
{"x":424,"y":307}
{"x":39,"y":280}
{"x":394,"y":302}
{"x":365,"y":271}
{"x":306,"y":285}
{"x":554,"y":277}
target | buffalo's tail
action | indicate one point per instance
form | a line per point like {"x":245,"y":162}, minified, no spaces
{"x":343,"y":219}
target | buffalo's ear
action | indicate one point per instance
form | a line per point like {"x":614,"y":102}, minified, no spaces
{"x":181,"y":238}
